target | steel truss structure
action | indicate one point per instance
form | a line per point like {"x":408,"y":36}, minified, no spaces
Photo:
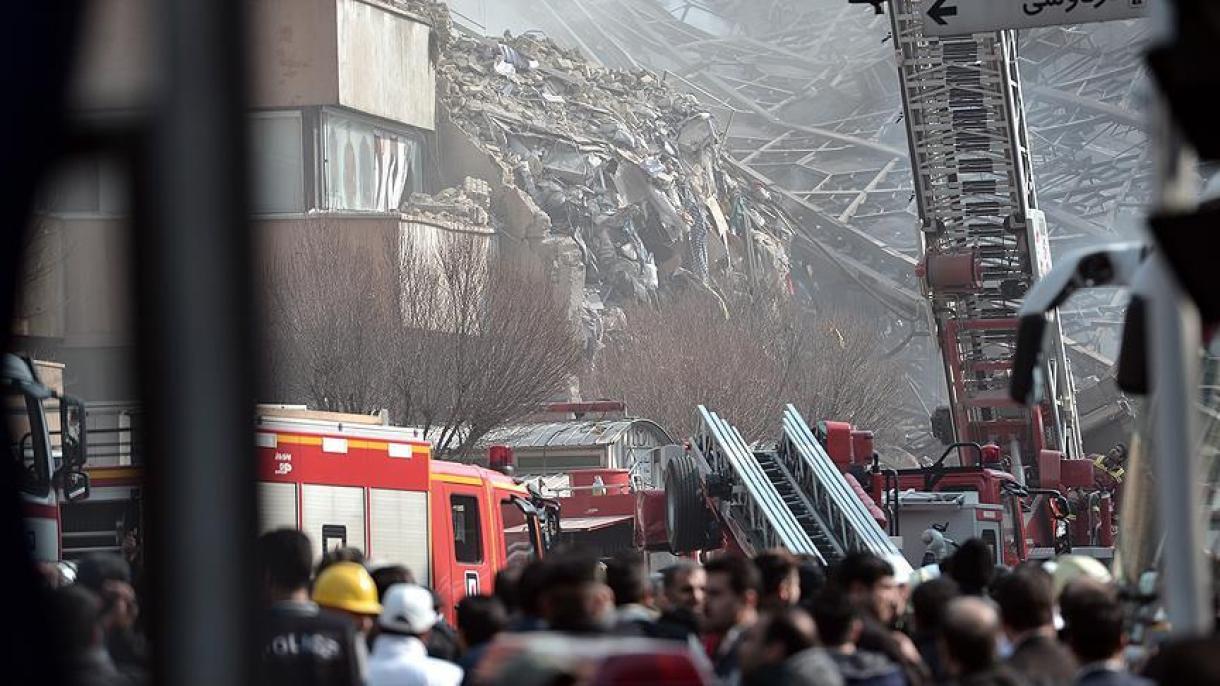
{"x":808,"y":93}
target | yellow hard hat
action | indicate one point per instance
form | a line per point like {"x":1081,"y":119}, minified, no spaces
{"x":347,"y":586}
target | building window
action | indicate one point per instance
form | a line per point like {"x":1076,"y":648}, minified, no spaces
{"x":277,"y":163}
{"x":367,"y":167}
{"x":88,"y":186}
{"x":467,"y":534}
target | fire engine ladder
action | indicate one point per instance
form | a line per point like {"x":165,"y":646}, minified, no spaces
{"x":829,"y":495}
{"x":757,"y":515}
{"x":983,"y":239}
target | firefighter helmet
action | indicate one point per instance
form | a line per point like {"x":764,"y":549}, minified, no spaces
{"x":347,"y":586}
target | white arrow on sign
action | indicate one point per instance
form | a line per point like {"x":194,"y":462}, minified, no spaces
{"x":957,"y":17}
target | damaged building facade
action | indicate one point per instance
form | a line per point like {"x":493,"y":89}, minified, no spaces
{"x":615,"y":183}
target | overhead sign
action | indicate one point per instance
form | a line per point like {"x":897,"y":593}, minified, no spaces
{"x":957,"y":17}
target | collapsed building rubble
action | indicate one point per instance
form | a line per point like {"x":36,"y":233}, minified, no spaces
{"x":619,"y":184}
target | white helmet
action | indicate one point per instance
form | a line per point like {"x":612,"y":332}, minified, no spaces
{"x":407,"y":608}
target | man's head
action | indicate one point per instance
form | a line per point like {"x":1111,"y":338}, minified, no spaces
{"x":530,"y":586}
{"x":627,"y":577}
{"x":1026,"y":598}
{"x":575,"y":596}
{"x":732,"y":593}
{"x":813,"y":577}
{"x":968,"y":637}
{"x":108,"y":576}
{"x":929,"y":601}
{"x":775,"y":638}
{"x":77,"y":614}
{"x":479,"y":619}
{"x":347,"y":554}
{"x":971,"y":566}
{"x":1093,"y":620}
{"x":869,"y":581}
{"x":781,"y":580}
{"x":838,"y":619}
{"x":346,"y":588}
{"x":407,"y":610}
{"x":386,"y":576}
{"x":285,"y":560}
{"x":505,"y":589}
{"x":685,"y":585}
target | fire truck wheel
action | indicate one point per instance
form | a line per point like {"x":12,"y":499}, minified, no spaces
{"x":685,"y":513}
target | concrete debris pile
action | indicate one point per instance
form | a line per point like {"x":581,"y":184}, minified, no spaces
{"x":465,"y":207}
{"x":613,"y":165}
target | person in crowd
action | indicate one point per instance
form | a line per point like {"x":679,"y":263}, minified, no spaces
{"x":109,"y":578}
{"x":813,"y":579}
{"x":347,"y":589}
{"x":971,"y":566}
{"x":479,"y":618}
{"x":300,"y":644}
{"x":400,"y":656}
{"x":529,"y":587}
{"x":443,"y":641}
{"x":1093,"y":626}
{"x":1026,"y":601}
{"x":730,"y":608}
{"x":1186,"y":661}
{"x":386,"y":575}
{"x":683,"y":586}
{"x":77,"y":614}
{"x":781,"y":580}
{"x":969,"y":639}
{"x":839,"y":626}
{"x":505,"y":589}
{"x":768,"y":647}
{"x":929,"y":601}
{"x":576,"y":598}
{"x":868,"y":581}
{"x":345,"y":554}
{"x":627,"y":577}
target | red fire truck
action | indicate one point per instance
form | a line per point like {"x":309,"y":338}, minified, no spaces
{"x":353,"y":480}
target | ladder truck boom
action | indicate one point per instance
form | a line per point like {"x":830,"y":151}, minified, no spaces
{"x":983,"y":239}
{"x":788,"y":494}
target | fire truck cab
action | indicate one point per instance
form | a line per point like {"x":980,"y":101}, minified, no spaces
{"x":353,"y":480}
{"x":46,"y":449}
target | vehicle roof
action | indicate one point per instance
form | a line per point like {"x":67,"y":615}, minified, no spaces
{"x":461,"y":469}
{"x":573,"y":433}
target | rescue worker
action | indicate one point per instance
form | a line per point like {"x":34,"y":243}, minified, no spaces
{"x":300,"y":644}
{"x":346,"y":588}
{"x":400,"y":657}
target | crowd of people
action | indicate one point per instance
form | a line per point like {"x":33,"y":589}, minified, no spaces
{"x":773,"y":619}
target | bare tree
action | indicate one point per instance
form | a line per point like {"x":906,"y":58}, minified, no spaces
{"x":329,"y":315}
{"x":483,"y":345}
{"x":746,"y":365}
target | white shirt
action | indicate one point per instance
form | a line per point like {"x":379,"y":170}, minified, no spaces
{"x":404,"y":661}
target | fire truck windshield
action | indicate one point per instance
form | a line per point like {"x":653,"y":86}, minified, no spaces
{"x":24,"y":421}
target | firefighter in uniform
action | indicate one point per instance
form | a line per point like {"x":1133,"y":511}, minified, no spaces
{"x":302,"y":644}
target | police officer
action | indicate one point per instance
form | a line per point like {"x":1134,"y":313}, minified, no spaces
{"x":301,"y":644}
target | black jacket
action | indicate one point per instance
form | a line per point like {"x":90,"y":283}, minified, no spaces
{"x":1044,"y":661}
{"x":304,"y":646}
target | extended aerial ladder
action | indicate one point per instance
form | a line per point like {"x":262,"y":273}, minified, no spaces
{"x":983,"y":238}
{"x":786,"y":495}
